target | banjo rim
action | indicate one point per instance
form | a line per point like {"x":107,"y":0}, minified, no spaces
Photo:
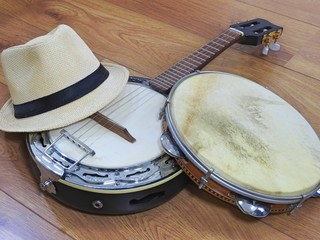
{"x":56,"y":171}
{"x":125,"y":190}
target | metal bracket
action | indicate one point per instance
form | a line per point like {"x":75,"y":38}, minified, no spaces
{"x":317,"y":193}
{"x":252,"y":207}
{"x":47,"y":179}
{"x":294,"y":207}
{"x":167,"y":165}
{"x":64,"y":134}
{"x":204,"y":178}
{"x":47,"y":185}
{"x":162,"y":110}
{"x":169,"y":146}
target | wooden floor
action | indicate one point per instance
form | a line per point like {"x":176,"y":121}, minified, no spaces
{"x":148,"y":37}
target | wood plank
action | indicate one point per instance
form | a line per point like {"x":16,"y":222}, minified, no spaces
{"x":115,"y":33}
{"x":18,"y":222}
{"x":306,"y":11}
{"x":148,"y":37}
{"x":307,"y":60}
{"x":292,"y":224}
{"x":63,"y":13}
{"x":118,"y":45}
{"x":204,"y":20}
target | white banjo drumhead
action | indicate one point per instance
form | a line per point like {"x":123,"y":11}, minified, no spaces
{"x":136,"y":109}
{"x":246,"y":134}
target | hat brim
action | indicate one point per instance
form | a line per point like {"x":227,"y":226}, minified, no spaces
{"x":71,"y":112}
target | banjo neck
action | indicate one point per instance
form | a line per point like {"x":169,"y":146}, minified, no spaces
{"x":196,"y":60}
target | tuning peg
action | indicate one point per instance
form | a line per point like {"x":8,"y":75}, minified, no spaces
{"x":265,"y":50}
{"x":274,"y":46}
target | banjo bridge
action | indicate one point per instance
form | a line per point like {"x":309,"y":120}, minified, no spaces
{"x":113,"y":126}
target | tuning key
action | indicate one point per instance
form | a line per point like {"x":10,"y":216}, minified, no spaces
{"x":274,"y":46}
{"x":265,"y":50}
{"x":271,"y":42}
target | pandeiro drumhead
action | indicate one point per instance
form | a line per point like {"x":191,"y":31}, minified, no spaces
{"x":250,"y":138}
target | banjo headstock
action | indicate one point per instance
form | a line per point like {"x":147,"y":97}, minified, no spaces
{"x":259,"y":31}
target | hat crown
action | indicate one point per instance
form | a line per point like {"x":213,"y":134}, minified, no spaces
{"x":47,"y":64}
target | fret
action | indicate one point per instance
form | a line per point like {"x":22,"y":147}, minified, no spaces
{"x":203,"y":54}
{"x":216,"y":49}
{"x":221,"y":45}
{"x":223,"y":40}
{"x":168,"y":72}
{"x":228,"y":36}
{"x":166,"y":78}
{"x":187,"y":71}
{"x":192,"y":65}
{"x":207,"y":51}
{"x":197,"y":57}
{"x":179,"y":72}
{"x":159,"y":84}
{"x":196,"y":60}
{"x":162,"y":82}
{"x":165,"y":83}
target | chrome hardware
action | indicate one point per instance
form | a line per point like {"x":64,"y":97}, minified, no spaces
{"x":252,"y":207}
{"x":204,"y":178}
{"x":162,"y":110}
{"x":170,"y":147}
{"x":317,"y":193}
{"x":113,"y":179}
{"x":46,"y":179}
{"x":48,"y":186}
{"x":265,"y":50}
{"x":274,"y":46}
{"x":167,"y":165}
{"x":64,"y":134}
{"x":294,"y":207}
{"x":45,"y":139}
{"x":55,"y":167}
{"x":123,"y":178}
{"x":161,"y":113}
{"x":97,"y":204}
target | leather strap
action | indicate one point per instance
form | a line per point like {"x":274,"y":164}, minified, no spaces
{"x":217,"y":190}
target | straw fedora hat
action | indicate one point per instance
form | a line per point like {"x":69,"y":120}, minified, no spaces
{"x":55,"y":80}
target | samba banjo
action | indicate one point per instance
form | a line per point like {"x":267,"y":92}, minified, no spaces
{"x":113,"y":162}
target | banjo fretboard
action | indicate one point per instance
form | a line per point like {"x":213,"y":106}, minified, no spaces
{"x":196,"y":60}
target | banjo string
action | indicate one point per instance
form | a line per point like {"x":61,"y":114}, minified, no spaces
{"x":113,"y":104}
{"x":98,"y":136}
{"x":128,"y":99}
